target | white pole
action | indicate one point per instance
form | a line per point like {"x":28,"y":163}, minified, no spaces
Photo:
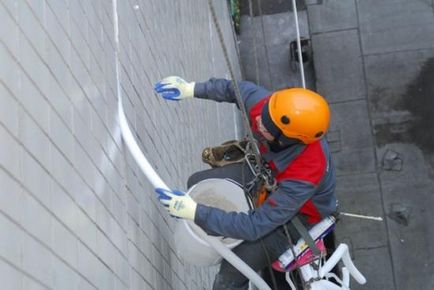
{"x":300,"y":56}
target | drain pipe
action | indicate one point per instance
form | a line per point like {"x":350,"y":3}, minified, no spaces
{"x":157,"y":182}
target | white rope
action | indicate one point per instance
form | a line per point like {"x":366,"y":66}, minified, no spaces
{"x":300,"y":56}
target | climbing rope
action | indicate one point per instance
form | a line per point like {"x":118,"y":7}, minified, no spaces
{"x":231,"y":72}
{"x":259,"y":169}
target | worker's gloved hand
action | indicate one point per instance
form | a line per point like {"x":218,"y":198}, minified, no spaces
{"x":177,"y":203}
{"x":174,"y":88}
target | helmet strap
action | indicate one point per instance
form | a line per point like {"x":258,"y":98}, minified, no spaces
{"x":268,"y":123}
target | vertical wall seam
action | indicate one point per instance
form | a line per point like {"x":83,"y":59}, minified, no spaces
{"x":374,"y":142}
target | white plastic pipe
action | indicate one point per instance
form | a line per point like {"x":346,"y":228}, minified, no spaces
{"x":348,"y":263}
{"x":157,"y":182}
{"x":345,"y":277}
{"x":235,"y":261}
{"x":135,"y":151}
{"x":342,"y":253}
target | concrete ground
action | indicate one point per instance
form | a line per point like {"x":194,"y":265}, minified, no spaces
{"x":265,"y":54}
{"x":374,"y":62}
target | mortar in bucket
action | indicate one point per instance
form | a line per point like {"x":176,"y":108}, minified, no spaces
{"x":221,"y":193}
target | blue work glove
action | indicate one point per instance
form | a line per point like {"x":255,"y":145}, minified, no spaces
{"x":175,"y":88}
{"x":177,"y":203}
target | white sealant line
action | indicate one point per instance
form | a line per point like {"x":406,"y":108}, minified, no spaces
{"x":157,"y":182}
{"x":367,"y":217}
{"x":127,"y":135}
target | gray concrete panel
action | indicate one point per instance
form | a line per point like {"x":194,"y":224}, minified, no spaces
{"x":254,"y":64}
{"x":391,"y":25}
{"x":272,"y":50}
{"x":351,"y":161}
{"x":350,"y":124}
{"x":280,"y":28}
{"x":281,"y":73}
{"x":400,"y":93}
{"x":408,"y":198}
{"x":351,"y":119}
{"x":338,"y":65}
{"x":332,"y":15}
{"x":388,"y":76}
{"x":360,"y":194}
{"x":375,"y":265}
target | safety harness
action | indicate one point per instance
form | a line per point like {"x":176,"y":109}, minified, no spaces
{"x":260,"y":186}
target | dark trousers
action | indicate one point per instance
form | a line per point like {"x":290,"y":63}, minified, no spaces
{"x":253,"y":253}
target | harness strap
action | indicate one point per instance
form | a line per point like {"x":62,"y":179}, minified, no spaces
{"x":305,"y":235}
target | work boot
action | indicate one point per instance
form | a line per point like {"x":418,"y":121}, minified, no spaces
{"x":229,"y":152}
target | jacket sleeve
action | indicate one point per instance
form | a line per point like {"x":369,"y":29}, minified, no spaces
{"x":278,"y":209}
{"x":221,"y":90}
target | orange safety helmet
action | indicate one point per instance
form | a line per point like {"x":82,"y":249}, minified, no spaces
{"x":296,"y":113}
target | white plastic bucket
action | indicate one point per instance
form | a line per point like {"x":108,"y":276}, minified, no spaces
{"x":221,"y":193}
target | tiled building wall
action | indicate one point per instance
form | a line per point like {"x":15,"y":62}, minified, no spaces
{"x":75,"y":212}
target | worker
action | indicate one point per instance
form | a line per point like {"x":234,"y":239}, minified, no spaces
{"x":289,"y":126}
